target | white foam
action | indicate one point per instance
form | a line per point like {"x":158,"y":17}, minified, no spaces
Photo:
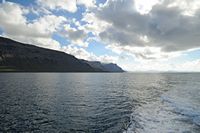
{"x":176,"y":111}
{"x":186,"y":101}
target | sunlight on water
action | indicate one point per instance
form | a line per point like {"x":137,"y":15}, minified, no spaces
{"x":101,"y":102}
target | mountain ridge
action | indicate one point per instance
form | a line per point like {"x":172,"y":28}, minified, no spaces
{"x":20,"y":57}
{"x":107,"y":67}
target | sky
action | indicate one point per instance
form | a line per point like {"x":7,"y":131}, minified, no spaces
{"x":138,"y":35}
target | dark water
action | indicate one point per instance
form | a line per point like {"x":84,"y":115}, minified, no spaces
{"x":99,"y":102}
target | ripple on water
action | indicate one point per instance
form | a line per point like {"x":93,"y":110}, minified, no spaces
{"x":83,"y":102}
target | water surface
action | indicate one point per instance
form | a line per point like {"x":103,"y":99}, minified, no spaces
{"x":99,"y":102}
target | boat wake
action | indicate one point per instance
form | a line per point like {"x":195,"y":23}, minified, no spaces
{"x":176,"y":110}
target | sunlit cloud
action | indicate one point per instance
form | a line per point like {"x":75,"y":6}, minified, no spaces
{"x":145,"y":30}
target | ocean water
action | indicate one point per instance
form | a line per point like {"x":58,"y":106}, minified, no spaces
{"x":100,"y":102}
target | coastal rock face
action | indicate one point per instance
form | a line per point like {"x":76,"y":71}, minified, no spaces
{"x":113,"y":67}
{"x":16,"y":56}
{"x":110,"y":67}
{"x":24,"y":57}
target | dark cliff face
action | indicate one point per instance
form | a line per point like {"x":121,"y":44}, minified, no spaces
{"x":113,"y":67}
{"x":16,"y":56}
{"x":23,"y":57}
{"x":110,"y":67}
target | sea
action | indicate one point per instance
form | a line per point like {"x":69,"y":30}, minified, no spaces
{"x":100,"y":102}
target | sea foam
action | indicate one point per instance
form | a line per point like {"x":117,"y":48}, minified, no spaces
{"x":186,"y":101}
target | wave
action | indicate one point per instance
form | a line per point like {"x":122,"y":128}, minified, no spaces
{"x":185,"y":101}
{"x":176,"y":110}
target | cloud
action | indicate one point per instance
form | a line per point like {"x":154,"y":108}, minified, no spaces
{"x":67,"y":5}
{"x":8,"y":8}
{"x":187,"y":7}
{"x":81,"y":53}
{"x":76,"y":36}
{"x":144,"y":6}
{"x":170,"y":26}
{"x":187,"y":66}
{"x":143,"y":53}
{"x":87,"y":3}
{"x":93,"y":23}
{"x":150,"y":32}
{"x":39,"y":31}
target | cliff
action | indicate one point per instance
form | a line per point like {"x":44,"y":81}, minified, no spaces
{"x":106,"y":67}
{"x":16,"y":56}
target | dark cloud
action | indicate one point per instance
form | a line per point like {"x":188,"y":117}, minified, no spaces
{"x":166,"y":27}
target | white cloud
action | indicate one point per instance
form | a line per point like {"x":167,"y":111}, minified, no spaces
{"x":144,"y":6}
{"x":93,"y":23}
{"x":146,"y":66}
{"x":68,"y":5}
{"x":188,"y":7}
{"x":75,"y":36}
{"x":150,"y":31}
{"x":37,"y":32}
{"x":188,"y":66}
{"x":86,"y":3}
{"x":81,"y":53}
{"x":143,"y":53}
{"x":12,"y":14}
{"x":163,"y":25}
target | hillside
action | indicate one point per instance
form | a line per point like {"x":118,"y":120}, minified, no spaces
{"x":107,"y":67}
{"x":16,"y":56}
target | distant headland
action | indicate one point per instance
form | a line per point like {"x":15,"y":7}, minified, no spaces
{"x":20,"y":57}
